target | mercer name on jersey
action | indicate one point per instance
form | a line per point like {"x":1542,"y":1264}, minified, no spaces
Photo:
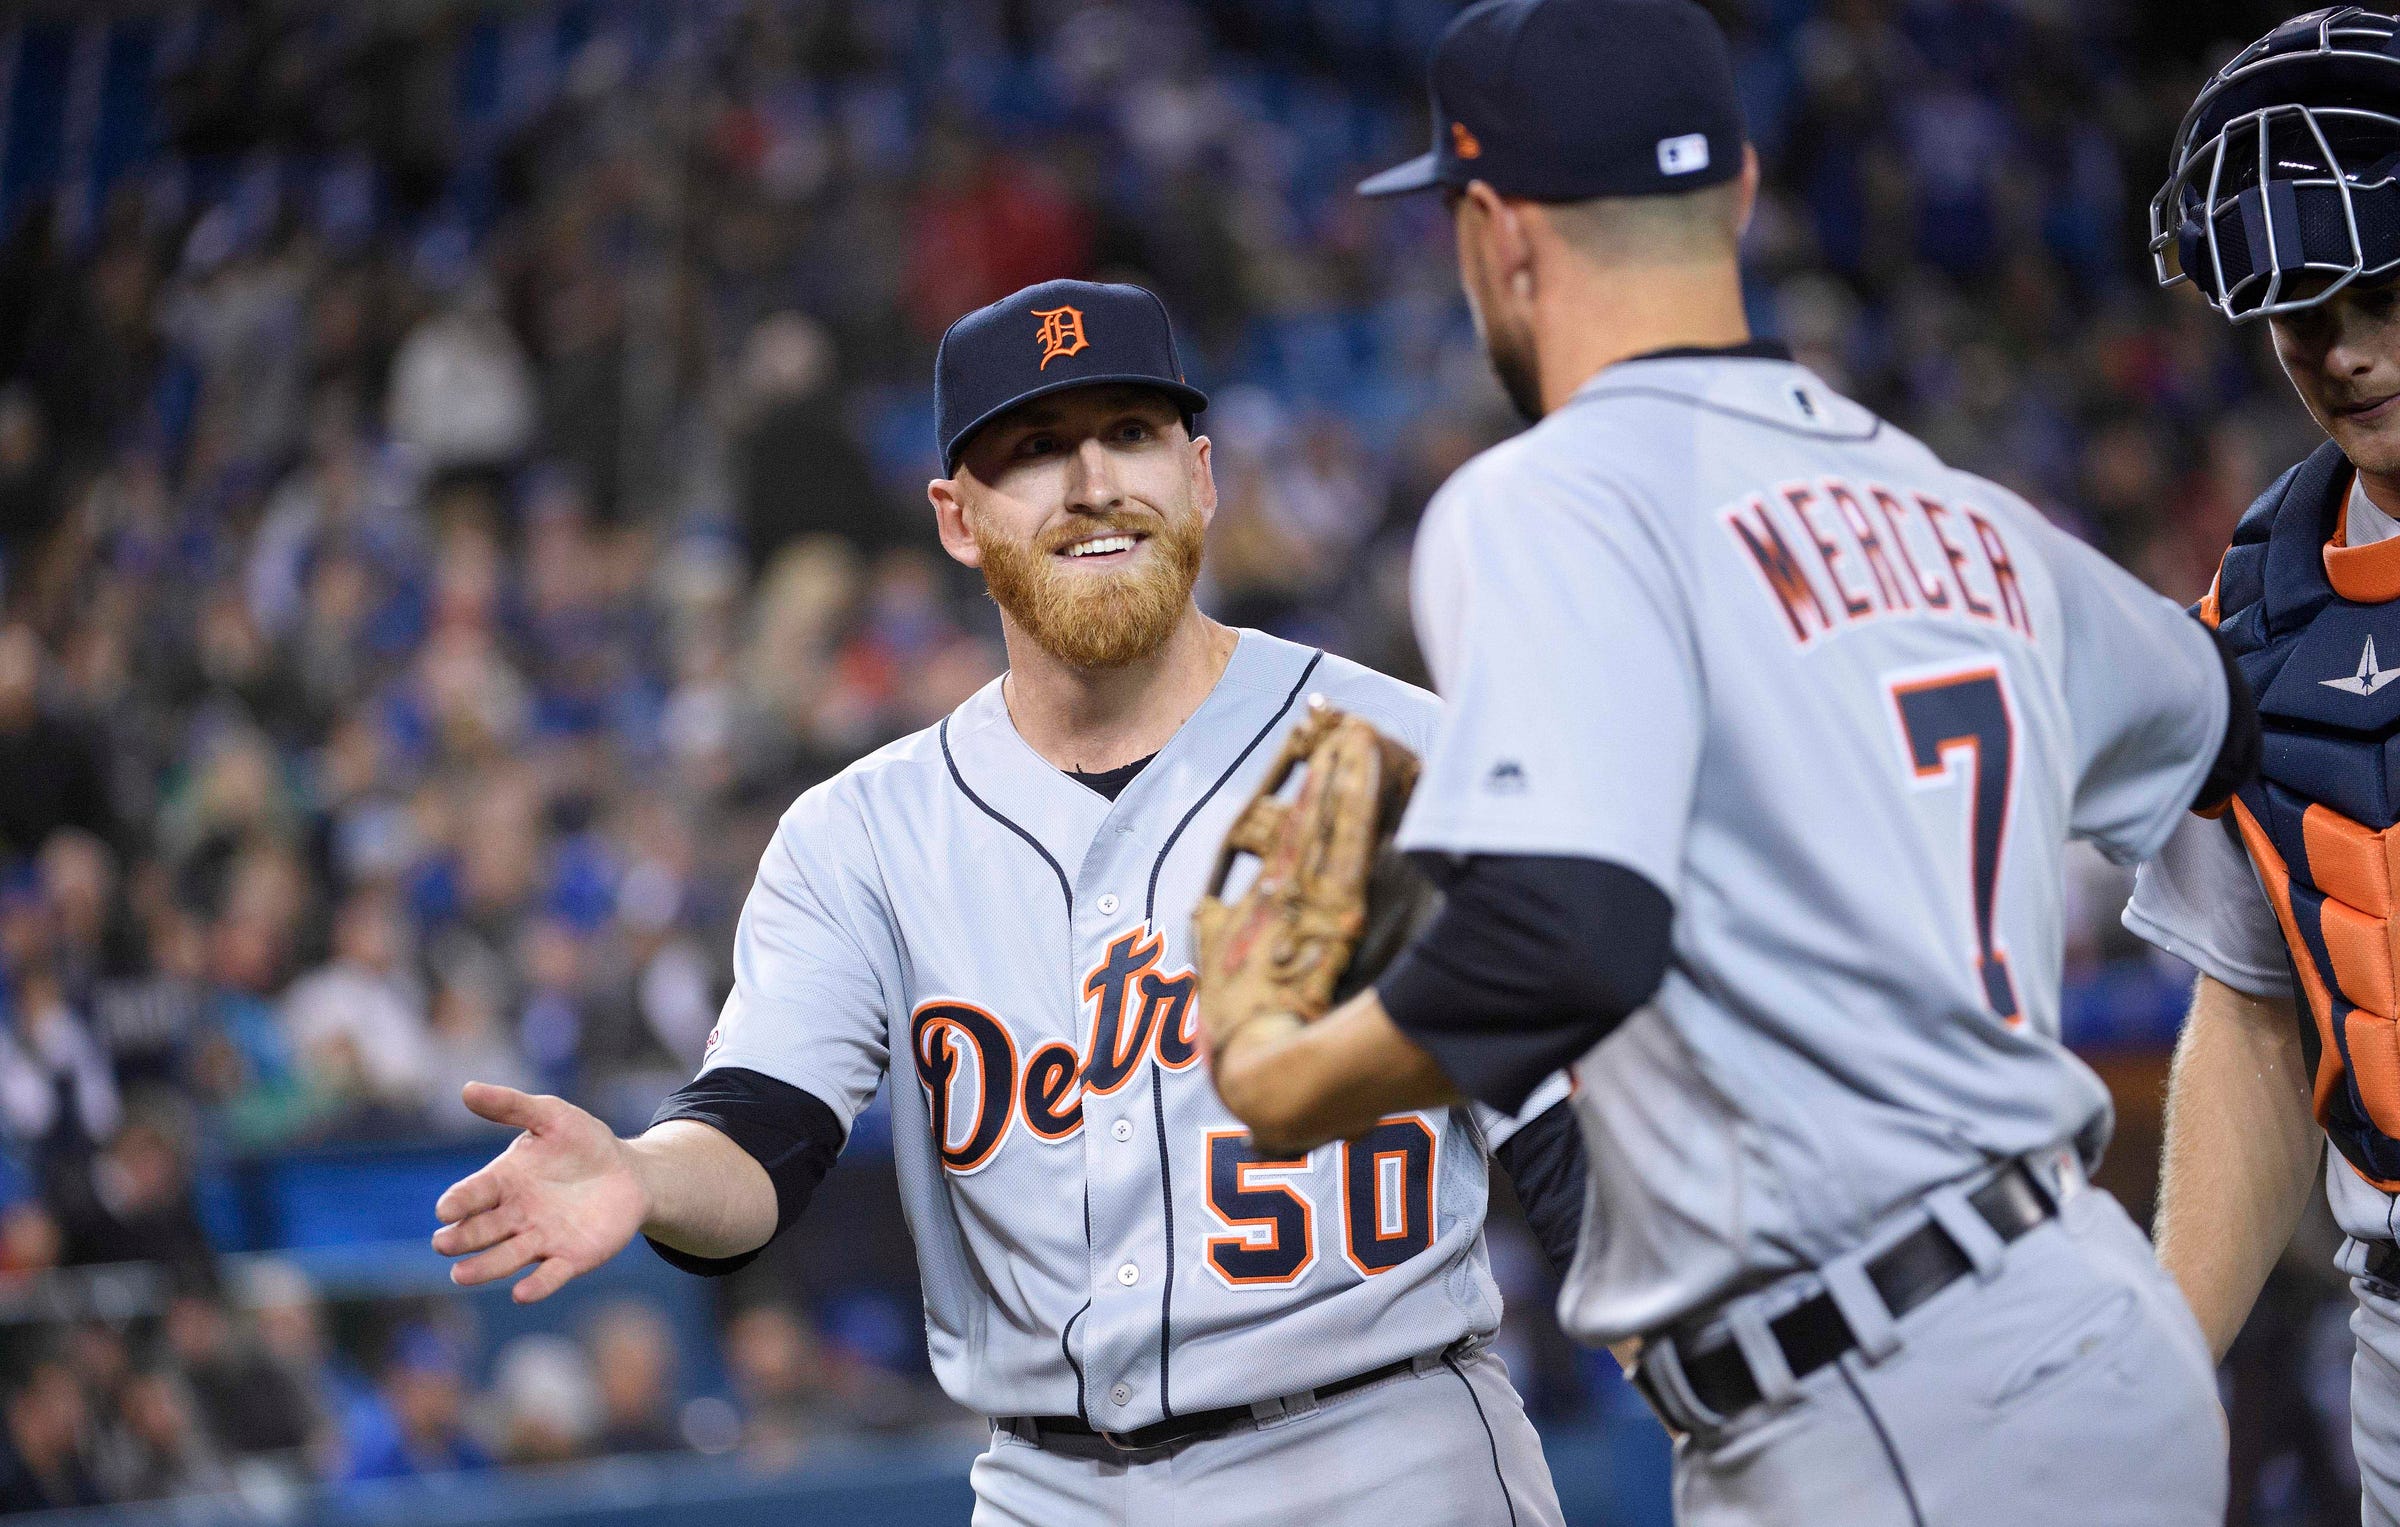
{"x":1832,"y":554}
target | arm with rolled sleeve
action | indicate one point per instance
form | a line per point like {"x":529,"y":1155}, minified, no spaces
{"x":802,"y":1043}
{"x":2242,"y":1146}
{"x":1553,"y":806}
{"x":1558,"y":797}
{"x":733,"y":1157}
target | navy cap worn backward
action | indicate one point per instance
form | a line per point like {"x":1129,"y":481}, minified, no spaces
{"x":1047,"y":339}
{"x":1566,"y":100}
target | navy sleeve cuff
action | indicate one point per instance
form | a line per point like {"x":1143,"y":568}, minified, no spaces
{"x":1545,"y":1164}
{"x":791,"y":1133}
{"x":1531,"y":962}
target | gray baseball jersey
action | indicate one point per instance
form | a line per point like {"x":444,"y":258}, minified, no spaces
{"x":1844,"y":706}
{"x":1095,"y":1233}
{"x":2200,"y":900}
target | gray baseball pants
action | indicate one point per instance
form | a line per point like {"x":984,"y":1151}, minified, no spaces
{"x":2375,"y":1401}
{"x":1447,"y":1445}
{"x":2068,"y":1383}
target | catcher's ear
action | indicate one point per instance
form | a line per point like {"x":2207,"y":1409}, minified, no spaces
{"x":950,"y":520}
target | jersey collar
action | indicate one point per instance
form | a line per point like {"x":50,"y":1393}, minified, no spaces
{"x":1748,"y":350}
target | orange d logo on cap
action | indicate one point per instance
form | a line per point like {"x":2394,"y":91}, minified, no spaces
{"x":1061,"y":333}
{"x":1463,"y":142}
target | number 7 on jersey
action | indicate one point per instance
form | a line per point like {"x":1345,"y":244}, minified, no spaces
{"x":1960,"y":723}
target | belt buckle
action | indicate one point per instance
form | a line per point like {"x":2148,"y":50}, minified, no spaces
{"x":1123,"y":1443}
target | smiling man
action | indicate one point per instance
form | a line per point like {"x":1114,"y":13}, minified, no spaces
{"x":2278,"y":207}
{"x":1163,"y":1324}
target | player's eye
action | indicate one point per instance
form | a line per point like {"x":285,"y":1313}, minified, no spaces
{"x":1133,"y":431}
{"x":1037,"y":445}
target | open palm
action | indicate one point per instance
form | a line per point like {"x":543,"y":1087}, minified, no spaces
{"x":562,"y":1199}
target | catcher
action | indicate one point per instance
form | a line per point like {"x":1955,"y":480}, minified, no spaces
{"x":1163,"y":1322}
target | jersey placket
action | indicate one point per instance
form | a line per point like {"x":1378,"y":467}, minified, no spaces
{"x":1131,"y":1266}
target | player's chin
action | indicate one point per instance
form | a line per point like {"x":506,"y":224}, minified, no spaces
{"x":2369,"y":435}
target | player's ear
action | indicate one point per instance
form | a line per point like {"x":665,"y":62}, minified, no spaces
{"x":950,"y":520}
{"x":1204,"y":478}
{"x":1747,"y":202}
{"x":1506,"y":238}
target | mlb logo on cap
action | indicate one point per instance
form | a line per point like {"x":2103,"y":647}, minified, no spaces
{"x":1687,"y":155}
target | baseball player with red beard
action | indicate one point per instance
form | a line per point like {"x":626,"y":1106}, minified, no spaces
{"x":1162,"y":1322}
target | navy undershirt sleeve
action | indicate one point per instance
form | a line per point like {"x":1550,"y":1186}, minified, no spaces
{"x":791,"y":1133}
{"x":2238,"y":757}
{"x":1532,"y":960}
{"x":1544,"y":1162}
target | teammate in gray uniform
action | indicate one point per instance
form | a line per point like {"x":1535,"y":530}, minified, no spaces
{"x":1164,"y":1326}
{"x":2286,"y":1022}
{"x":1766,"y":731}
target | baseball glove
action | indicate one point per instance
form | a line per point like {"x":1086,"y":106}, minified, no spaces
{"x":1332,"y":901}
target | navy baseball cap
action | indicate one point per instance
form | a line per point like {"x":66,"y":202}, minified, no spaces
{"x":1046,"y":339}
{"x":1566,"y":100}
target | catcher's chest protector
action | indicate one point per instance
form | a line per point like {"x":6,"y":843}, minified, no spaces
{"x":2310,"y":622}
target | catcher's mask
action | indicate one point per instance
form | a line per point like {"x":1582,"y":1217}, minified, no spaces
{"x":2280,"y":188}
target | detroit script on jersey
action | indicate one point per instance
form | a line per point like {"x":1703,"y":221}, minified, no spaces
{"x":1095,"y":1233}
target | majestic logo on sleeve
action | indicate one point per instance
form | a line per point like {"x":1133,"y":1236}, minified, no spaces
{"x":1061,"y":333}
{"x":976,"y":1090}
{"x":2369,"y":677}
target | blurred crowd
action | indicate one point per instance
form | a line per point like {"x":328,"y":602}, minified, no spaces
{"x":461,"y":475}
{"x":246,"y":1393}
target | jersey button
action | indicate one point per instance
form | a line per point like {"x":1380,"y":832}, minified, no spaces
{"x":1129,"y":1275}
{"x":1122,"y":1129}
{"x":1121,"y":1395}
{"x":1107,"y":904}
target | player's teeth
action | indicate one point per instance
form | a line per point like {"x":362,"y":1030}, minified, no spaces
{"x":1103,"y":544}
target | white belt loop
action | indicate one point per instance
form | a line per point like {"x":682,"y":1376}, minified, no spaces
{"x":1746,"y":1319}
{"x":1661,"y":1365}
{"x":1863,"y":1310}
{"x":2069,"y":1175}
{"x":1289,"y":1407}
{"x":1968,"y":1230}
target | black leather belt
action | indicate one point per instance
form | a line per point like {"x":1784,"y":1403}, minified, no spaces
{"x":1072,"y":1434}
{"x":1813,"y":1333}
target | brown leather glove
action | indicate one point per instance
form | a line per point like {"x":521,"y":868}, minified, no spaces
{"x":1332,"y":902}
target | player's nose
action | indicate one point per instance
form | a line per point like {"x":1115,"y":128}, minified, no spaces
{"x":1093,"y":483}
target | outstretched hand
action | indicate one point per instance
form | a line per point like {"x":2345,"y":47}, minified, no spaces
{"x":562,"y":1199}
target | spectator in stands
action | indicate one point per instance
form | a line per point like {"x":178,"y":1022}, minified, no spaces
{"x":290,"y":1391}
{"x":78,"y":879}
{"x":41,"y":1443}
{"x":167,"y":1454}
{"x":467,"y":1042}
{"x":461,"y":391}
{"x":56,"y":776}
{"x":800,"y":469}
{"x":358,"y":1021}
{"x":545,"y":1400}
{"x":779,"y":1374}
{"x":58,"y":1098}
{"x":415,"y":1420}
{"x":136,"y":1204}
{"x":634,"y":1357}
